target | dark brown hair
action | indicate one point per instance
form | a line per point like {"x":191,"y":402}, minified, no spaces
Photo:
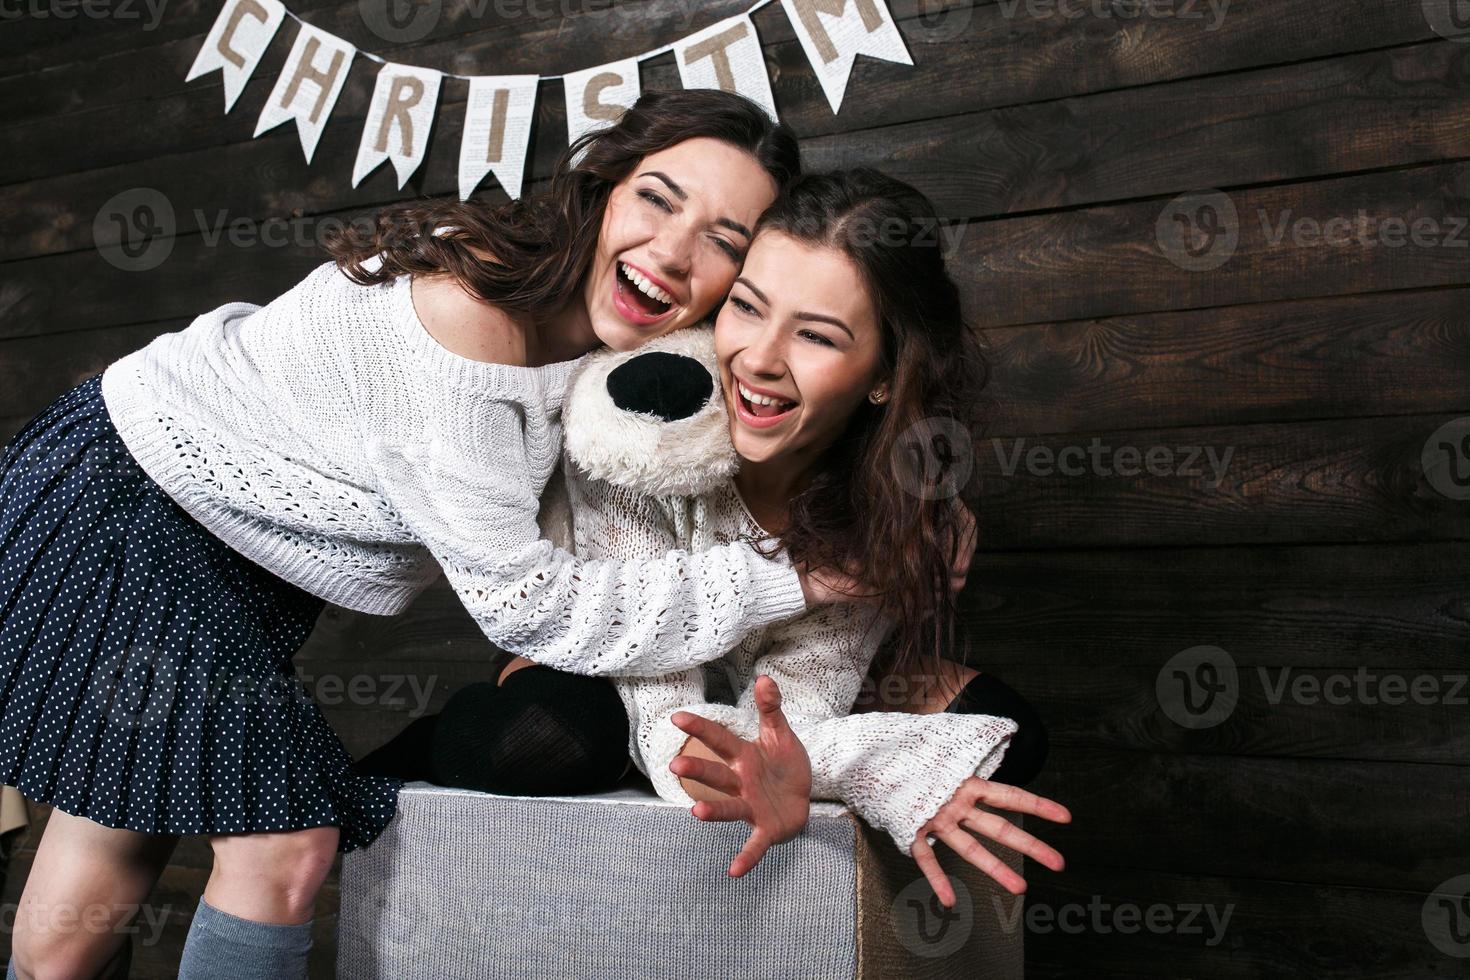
{"x":542,"y":246}
{"x":866,"y":509}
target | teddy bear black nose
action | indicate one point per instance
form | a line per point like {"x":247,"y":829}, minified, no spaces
{"x":670,"y":386}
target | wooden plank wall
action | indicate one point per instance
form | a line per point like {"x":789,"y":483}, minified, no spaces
{"x":1069,"y":147}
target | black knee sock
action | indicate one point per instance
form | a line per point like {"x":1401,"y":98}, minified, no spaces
{"x":543,"y":732}
{"x":405,"y":755}
{"x":988,"y":695}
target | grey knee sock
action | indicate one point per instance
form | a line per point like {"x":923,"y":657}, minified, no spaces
{"x":10,"y":969}
{"x":226,"y":947}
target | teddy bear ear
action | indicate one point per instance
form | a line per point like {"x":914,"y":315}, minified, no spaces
{"x":652,"y":420}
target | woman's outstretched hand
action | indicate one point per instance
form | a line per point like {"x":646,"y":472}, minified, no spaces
{"x":960,"y":818}
{"x":766,"y":782}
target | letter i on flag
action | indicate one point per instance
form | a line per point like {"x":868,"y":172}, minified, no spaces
{"x":398,"y":121}
{"x":497,"y":131}
{"x":240,"y":35}
{"x":727,"y":56}
{"x":308,"y":86}
{"x":834,"y":32}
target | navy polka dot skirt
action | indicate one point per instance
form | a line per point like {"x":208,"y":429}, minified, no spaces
{"x":145,"y":666}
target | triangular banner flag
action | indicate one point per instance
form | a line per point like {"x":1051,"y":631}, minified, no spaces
{"x":497,"y":131}
{"x":726,"y":56}
{"x":240,"y":35}
{"x":834,"y":32}
{"x":596,"y":97}
{"x":398,"y":121}
{"x":308,"y":86}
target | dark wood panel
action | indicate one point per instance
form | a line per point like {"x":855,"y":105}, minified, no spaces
{"x":1408,"y":105}
{"x":1368,"y":709}
{"x":1080,"y":264}
{"x":1274,"y":929}
{"x":190,"y":116}
{"x":1378,"y":354}
{"x":1411,"y":103}
{"x":36,"y":370}
{"x":1365,"y":824}
{"x":1276,"y":606}
{"x":1024,"y":58}
{"x":1104,"y":261}
{"x":1338,"y":480}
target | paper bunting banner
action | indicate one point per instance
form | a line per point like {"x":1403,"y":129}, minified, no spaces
{"x":728,"y":57}
{"x":834,"y":32}
{"x":497,"y":131}
{"x":398,"y":121}
{"x":596,"y":97}
{"x":308,"y":86}
{"x":501,"y":108}
{"x":240,"y":35}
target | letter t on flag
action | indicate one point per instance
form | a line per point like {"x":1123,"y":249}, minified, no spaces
{"x":240,"y":35}
{"x":727,"y":56}
{"x":834,"y":32}
{"x":398,"y":121}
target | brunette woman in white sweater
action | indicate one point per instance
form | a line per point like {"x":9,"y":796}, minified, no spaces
{"x":172,"y":527}
{"x":841,"y":339}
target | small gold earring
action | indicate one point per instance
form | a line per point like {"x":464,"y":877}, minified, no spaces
{"x":878,"y":396}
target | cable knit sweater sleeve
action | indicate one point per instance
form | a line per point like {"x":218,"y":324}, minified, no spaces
{"x":600,"y":616}
{"x":894,"y":769}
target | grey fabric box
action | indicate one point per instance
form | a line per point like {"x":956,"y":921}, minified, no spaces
{"x":627,"y":885}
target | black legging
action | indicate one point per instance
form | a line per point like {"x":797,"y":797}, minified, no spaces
{"x":546,"y":732}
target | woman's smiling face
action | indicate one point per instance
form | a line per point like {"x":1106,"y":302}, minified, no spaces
{"x":799,"y":346}
{"x":673,"y":236}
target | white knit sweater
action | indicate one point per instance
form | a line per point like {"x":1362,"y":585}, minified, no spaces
{"x":894,"y":769}
{"x":328,"y":437}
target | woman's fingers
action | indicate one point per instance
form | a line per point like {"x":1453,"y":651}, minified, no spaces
{"x":712,"y":774}
{"x":720,"y":811}
{"x":1002,"y":831}
{"x":750,"y":855}
{"x":1003,"y":796}
{"x":768,"y":704}
{"x":929,"y":864}
{"x":969,"y":849}
{"x":725,"y":743}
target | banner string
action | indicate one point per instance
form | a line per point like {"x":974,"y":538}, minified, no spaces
{"x":665,"y":49}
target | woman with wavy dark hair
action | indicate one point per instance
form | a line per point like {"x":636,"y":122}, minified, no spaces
{"x":841,"y":340}
{"x":172,"y":527}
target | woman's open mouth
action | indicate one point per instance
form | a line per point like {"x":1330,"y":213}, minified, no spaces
{"x":639,"y":299}
{"x":759,"y":410}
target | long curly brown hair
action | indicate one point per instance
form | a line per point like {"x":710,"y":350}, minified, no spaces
{"x":880,"y":503}
{"x":543,"y":245}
